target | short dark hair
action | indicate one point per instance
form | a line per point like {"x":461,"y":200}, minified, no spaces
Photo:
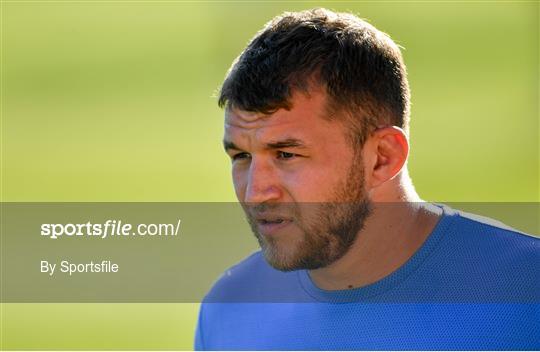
{"x":360,"y":68}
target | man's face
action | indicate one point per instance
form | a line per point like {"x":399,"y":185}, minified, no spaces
{"x":299,"y":180}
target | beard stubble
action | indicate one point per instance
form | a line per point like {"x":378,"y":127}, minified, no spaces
{"x":327,"y":230}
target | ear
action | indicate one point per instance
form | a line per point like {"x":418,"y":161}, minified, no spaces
{"x":387,"y":151}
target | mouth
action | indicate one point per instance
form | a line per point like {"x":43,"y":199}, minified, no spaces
{"x":270,"y":221}
{"x":269,"y":225}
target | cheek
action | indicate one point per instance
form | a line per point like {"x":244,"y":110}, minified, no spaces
{"x":320,"y":183}
{"x":239,"y":179}
{"x":306,"y":185}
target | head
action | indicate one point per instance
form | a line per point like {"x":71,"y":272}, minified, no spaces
{"x":310,"y":107}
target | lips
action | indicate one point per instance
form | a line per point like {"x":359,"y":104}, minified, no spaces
{"x":264,"y":222}
{"x":271,"y":220}
{"x":270,"y":224}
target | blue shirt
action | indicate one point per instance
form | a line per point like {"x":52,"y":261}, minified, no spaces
{"x":473,"y":284}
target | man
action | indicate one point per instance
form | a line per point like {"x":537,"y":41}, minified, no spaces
{"x":316,"y":126}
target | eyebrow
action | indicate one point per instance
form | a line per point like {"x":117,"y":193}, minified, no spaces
{"x":229,"y":145}
{"x":285,"y":143}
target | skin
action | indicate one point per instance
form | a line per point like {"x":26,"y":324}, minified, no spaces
{"x":297,"y":156}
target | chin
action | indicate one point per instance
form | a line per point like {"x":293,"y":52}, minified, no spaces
{"x":282,"y":258}
{"x":290,"y":259}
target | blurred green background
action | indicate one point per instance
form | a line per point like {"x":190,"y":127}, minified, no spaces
{"x":114,"y":101}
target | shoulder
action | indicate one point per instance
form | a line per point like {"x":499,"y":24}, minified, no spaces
{"x":252,"y":280}
{"x":482,"y":229}
{"x":507,"y":246}
{"x":481,"y":237}
{"x":488,"y":259}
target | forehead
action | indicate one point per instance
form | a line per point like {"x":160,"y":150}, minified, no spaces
{"x":307,"y":117}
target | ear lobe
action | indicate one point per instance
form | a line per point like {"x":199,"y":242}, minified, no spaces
{"x":392,"y":150}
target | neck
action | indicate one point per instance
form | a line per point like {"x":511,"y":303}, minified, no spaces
{"x":396,"y":228}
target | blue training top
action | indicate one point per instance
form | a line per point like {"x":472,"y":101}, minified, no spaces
{"x":474,"y":284}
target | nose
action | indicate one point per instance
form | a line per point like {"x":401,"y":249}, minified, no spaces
{"x":262,"y":182}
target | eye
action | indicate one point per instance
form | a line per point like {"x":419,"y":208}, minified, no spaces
{"x":285,"y":155}
{"x":240,"y":156}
